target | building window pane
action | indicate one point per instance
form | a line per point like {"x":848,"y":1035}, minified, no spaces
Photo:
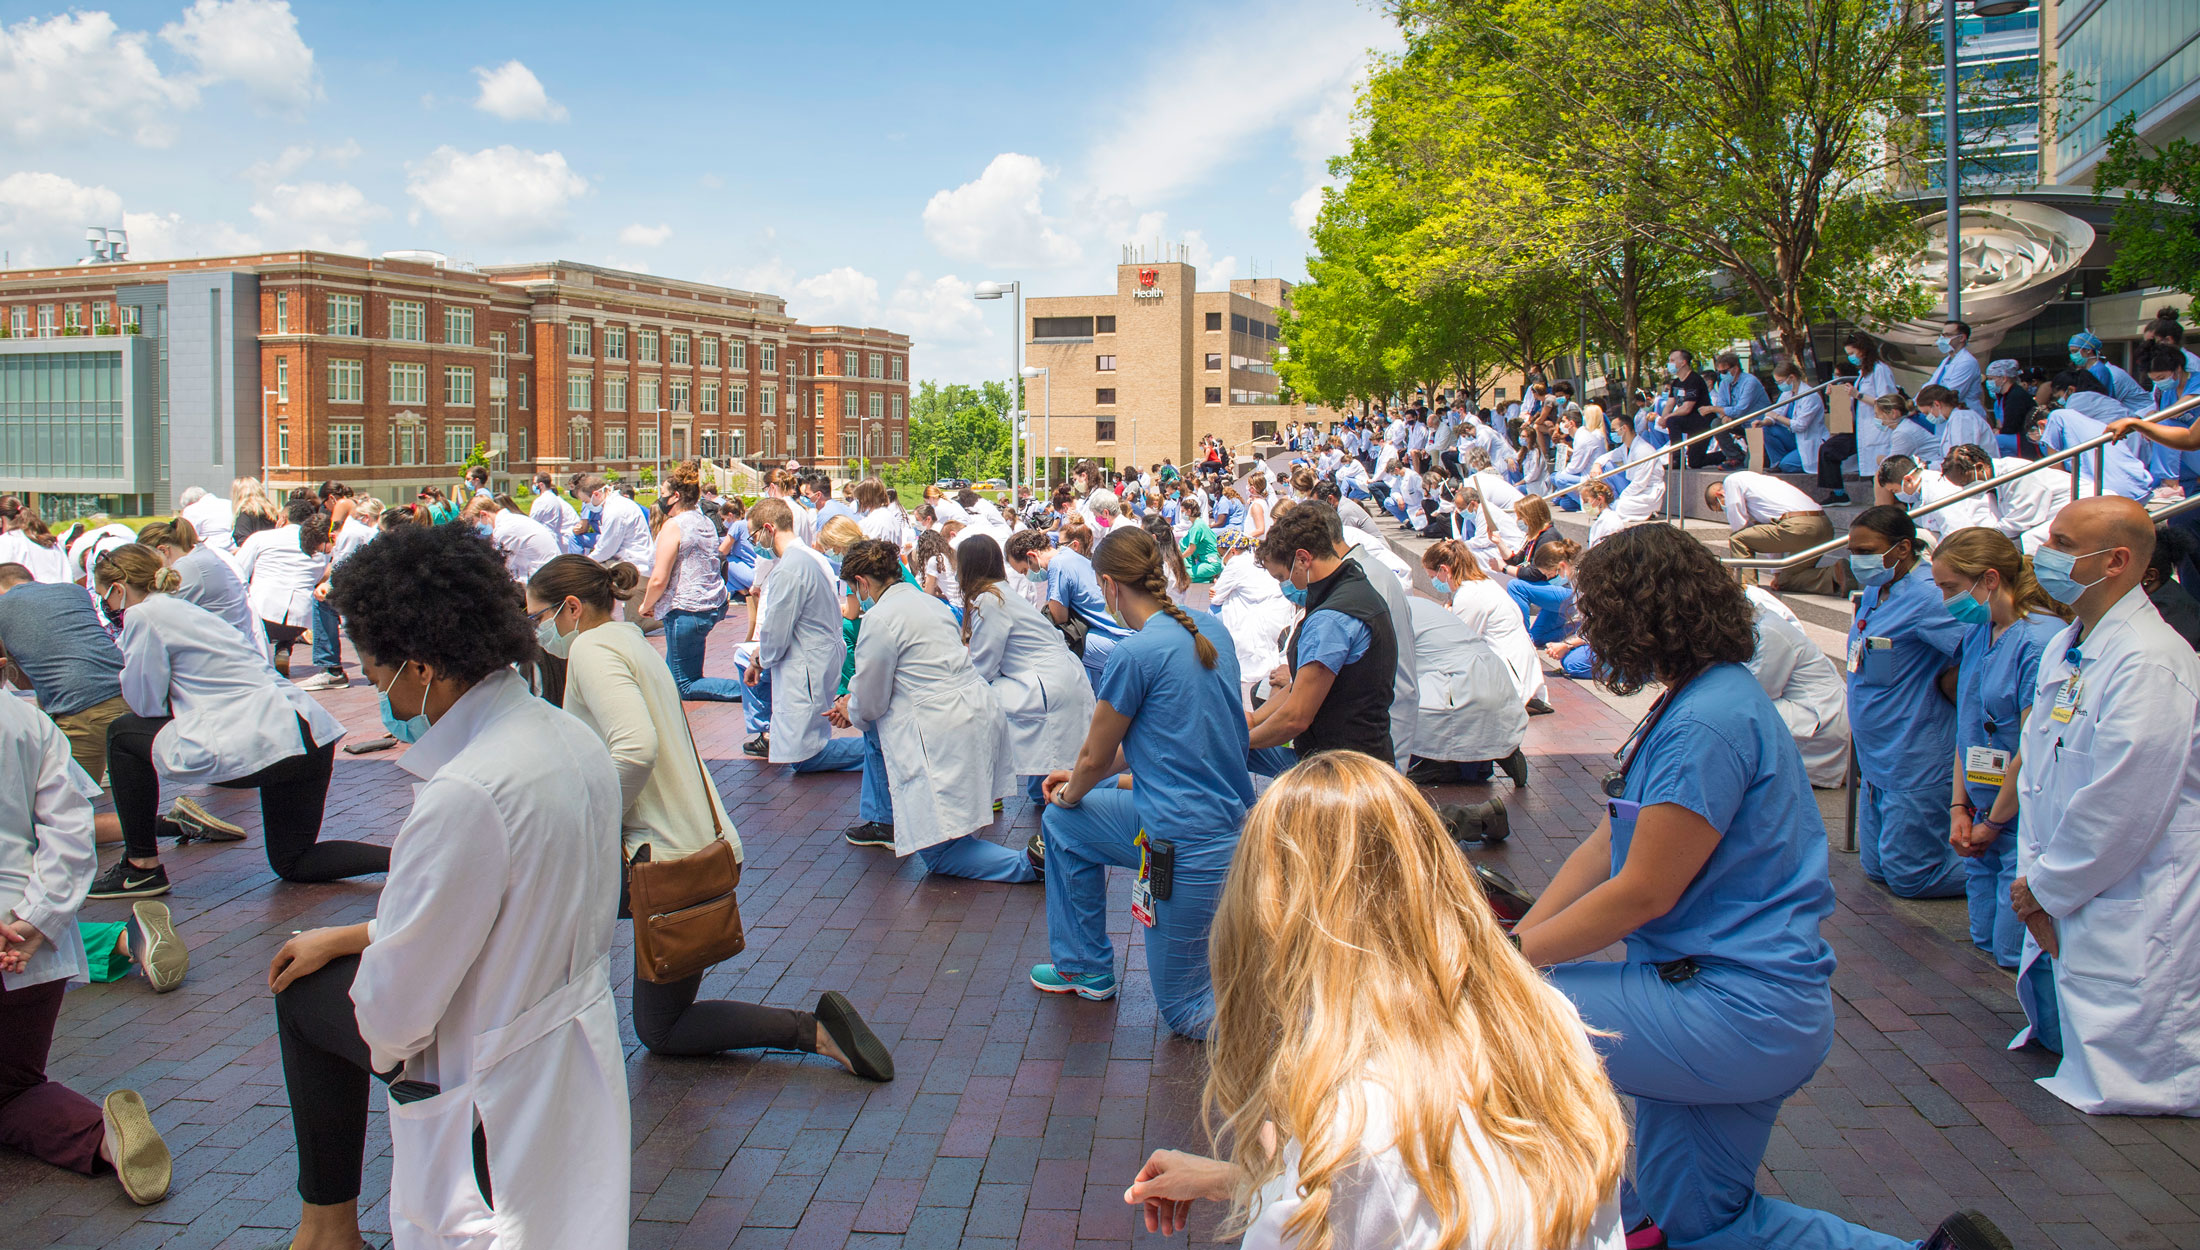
{"x":649,"y":347}
{"x":737,"y":401}
{"x":408,"y":383}
{"x":710,"y":394}
{"x":614,"y":393}
{"x":878,"y":405}
{"x":614,"y":342}
{"x":1105,"y":364}
{"x":347,"y":443}
{"x":282,"y":312}
{"x":767,"y":357}
{"x":576,"y":338}
{"x":1214,"y":394}
{"x":408,"y":321}
{"x":1214,"y":321}
{"x":346,"y":316}
{"x":646,"y":437}
{"x":458,"y":385}
{"x":737,"y":354}
{"x":1103,"y":430}
{"x":679,"y":349}
{"x":458,"y":443}
{"x":614,"y":442}
{"x":646,"y":397}
{"x":577,"y":397}
{"x":347,"y":381}
{"x":1103,"y":325}
{"x":282,"y":379}
{"x":458,"y":327}
{"x":1104,"y":395}
{"x":710,"y":351}
{"x":679,"y":395}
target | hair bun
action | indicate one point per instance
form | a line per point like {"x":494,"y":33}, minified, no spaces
{"x":167,"y":580}
{"x":625,"y":578}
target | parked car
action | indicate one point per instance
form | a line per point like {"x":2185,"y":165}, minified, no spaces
{"x":952,"y":483}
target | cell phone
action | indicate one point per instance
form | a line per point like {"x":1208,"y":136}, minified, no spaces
{"x":1160,"y":867}
{"x":402,"y":1092}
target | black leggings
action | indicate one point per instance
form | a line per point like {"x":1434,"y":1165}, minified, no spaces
{"x":1836,"y":449}
{"x":325,"y":1067}
{"x":293,"y":792}
{"x":670,"y":1022}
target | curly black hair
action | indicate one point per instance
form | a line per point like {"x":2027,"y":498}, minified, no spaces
{"x":1656,"y":605}
{"x":436,"y":595}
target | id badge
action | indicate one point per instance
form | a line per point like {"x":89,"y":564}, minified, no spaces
{"x":1985,"y":766}
{"x":2066,"y":701}
{"x":1142,"y":889}
{"x":1856,"y":654}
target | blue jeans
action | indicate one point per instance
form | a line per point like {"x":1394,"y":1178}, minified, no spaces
{"x":327,"y":652}
{"x":1995,"y":928}
{"x":756,"y":702}
{"x":1082,"y":841}
{"x":1391,"y":506}
{"x":1547,"y":609}
{"x":685,"y":634}
{"x":1779,"y":446}
{"x":1708,"y":1062}
{"x":2042,"y":1010}
{"x":1902,"y":841}
{"x":842,"y":755}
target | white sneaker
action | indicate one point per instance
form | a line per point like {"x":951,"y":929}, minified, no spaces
{"x":159,"y":950}
{"x":325,"y":680}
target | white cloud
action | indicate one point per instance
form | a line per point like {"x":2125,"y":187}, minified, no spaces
{"x":1308,"y":207}
{"x":951,"y":337}
{"x":511,"y":91}
{"x":254,"y":43}
{"x":325,"y":215}
{"x":1216,"y":272}
{"x":43,"y":216}
{"x":168,"y":236}
{"x":639,"y":235}
{"x":497,"y":195}
{"x":998,"y":219}
{"x":296,"y":157}
{"x":78,"y":74}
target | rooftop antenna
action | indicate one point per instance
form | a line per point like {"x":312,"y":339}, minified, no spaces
{"x":105,"y":245}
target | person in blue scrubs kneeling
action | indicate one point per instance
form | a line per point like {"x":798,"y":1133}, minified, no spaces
{"x":1902,"y":654}
{"x":1711,"y":867}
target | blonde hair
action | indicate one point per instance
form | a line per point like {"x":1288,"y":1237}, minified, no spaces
{"x":1353,"y":944}
{"x":1534,"y":512}
{"x":1452,"y":556}
{"x":838,"y":535}
{"x":1973,"y":550}
{"x":134,"y":565}
{"x":178,"y":533}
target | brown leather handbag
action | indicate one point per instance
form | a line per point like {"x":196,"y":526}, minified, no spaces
{"x":685,"y":915}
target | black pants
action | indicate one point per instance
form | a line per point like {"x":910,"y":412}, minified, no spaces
{"x":1836,"y":449}
{"x":1703,"y":454}
{"x":670,"y":1022}
{"x":293,"y":792}
{"x":325,"y":1067}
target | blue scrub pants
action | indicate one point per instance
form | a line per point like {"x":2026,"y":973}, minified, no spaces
{"x":839,"y":755}
{"x":1355,"y":491}
{"x":2042,"y":1010}
{"x":1561,"y":481}
{"x":1082,"y":841}
{"x":1780,"y":448}
{"x":1097,"y":650}
{"x":328,"y":655}
{"x":1391,"y":506}
{"x":1580,"y":663}
{"x":1902,"y":841}
{"x":740,"y":578}
{"x":1545,"y":607}
{"x":1995,"y":928}
{"x":1708,"y":1063}
{"x":967,"y":856}
{"x":685,"y":635}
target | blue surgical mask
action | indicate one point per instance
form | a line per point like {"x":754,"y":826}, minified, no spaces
{"x":2078,"y":358}
{"x":1944,"y":344}
{"x":1968,"y":610}
{"x":1787,"y":388}
{"x":1443,"y":585}
{"x":485,"y":530}
{"x":866,"y":604}
{"x":2052,"y":569}
{"x":1613,"y":437}
{"x":1870,"y":570}
{"x":1855,"y":359}
{"x":1295,"y":593}
{"x":835,"y":562}
{"x":403,"y":730}
{"x":2165,"y":393}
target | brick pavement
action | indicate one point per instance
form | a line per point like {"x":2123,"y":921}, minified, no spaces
{"x":1017,"y":1118}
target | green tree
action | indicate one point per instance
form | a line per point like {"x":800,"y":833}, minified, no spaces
{"x":955,"y":431}
{"x":2156,"y":229}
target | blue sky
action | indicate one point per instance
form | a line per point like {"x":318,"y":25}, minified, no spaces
{"x":871,"y":162}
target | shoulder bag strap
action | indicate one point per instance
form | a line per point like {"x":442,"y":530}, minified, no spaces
{"x":710,"y":798}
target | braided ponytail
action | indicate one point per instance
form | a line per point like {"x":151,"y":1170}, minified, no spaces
{"x":1130,"y":556}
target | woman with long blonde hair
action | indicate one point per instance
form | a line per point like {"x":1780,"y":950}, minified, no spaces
{"x":1384,"y":1069}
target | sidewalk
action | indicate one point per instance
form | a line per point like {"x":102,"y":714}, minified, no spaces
{"x":1017,"y":1119}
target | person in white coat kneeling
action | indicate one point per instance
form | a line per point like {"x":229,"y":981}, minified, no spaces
{"x":941,"y":731}
{"x":481,"y":990}
{"x":794,"y":674}
{"x":1040,"y":683}
{"x":2108,"y":829}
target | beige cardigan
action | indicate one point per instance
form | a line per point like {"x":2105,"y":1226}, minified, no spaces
{"x":619,"y":686}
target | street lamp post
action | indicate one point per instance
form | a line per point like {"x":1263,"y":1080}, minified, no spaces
{"x":1979,"y":8}
{"x":995,"y":290}
{"x":1047,"y":408}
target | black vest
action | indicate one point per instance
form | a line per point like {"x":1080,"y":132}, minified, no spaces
{"x":1356,"y":715}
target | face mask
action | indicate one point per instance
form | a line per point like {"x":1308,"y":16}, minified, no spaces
{"x":2078,"y":359}
{"x":1944,"y":344}
{"x":1036,"y":576}
{"x":552,"y":641}
{"x":1855,"y":359}
{"x":1614,"y":437}
{"x":1787,"y":388}
{"x":2165,"y":393}
{"x":1870,"y":570}
{"x":1968,"y":610}
{"x":2052,"y":569}
{"x":403,"y":730}
{"x":1443,"y":585}
{"x":486,"y":531}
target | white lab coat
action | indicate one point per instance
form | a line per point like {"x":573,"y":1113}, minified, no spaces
{"x":280,"y":576}
{"x":550,"y":511}
{"x":527,"y":545}
{"x":1808,"y":692}
{"x":488,"y":973}
{"x":210,"y":582}
{"x":1979,"y":510}
{"x":1644,"y":492}
{"x":1491,"y":615}
{"x":2031,"y":502}
{"x":47,"y":564}
{"x":1469,"y":707}
{"x":233,"y":716}
{"x":798,"y":642}
{"x":622,"y":533}
{"x":1405,"y":686}
{"x":93,"y":543}
{"x":1039,"y":683}
{"x":2109,"y":843}
{"x":1966,"y":426}
{"x":939,"y":726}
{"x":46,"y":855}
{"x":1250,"y":604}
{"x":1497,"y":532}
{"x":211,"y":518}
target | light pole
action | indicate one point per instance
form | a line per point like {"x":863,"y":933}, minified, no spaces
{"x":995,"y":290}
{"x":1979,"y":8}
{"x":1047,"y":408}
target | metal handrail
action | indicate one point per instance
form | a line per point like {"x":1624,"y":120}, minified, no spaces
{"x":2099,"y":442}
{"x":1686,"y":443}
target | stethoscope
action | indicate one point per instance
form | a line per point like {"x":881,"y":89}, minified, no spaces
{"x":1615,"y":779}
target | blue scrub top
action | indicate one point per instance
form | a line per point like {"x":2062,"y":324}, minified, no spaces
{"x":1721,"y":750}
{"x":2126,"y":474}
{"x":1994,"y":685}
{"x":1905,"y":732}
{"x":2168,"y":464}
{"x":1332,"y":639}
{"x":1188,"y":740}
{"x":1072,"y":583}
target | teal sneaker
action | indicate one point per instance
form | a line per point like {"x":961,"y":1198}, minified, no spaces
{"x":1096,"y":986}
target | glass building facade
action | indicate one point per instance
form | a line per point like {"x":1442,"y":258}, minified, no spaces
{"x":1997,"y":102}
{"x":77,"y":420}
{"x":2138,"y":57}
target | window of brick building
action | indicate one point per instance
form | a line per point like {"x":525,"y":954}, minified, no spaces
{"x":1214,"y":394}
{"x":679,"y":349}
{"x":848,"y":405}
{"x":1214,"y":360}
{"x":614,"y":342}
{"x":347,"y":315}
{"x":649,"y":347}
{"x":614,"y":442}
{"x":458,"y":443}
{"x":737,"y":354}
{"x":408,"y":383}
{"x":577,"y":397}
{"x":576,"y":338}
{"x":614,"y":392}
{"x":1105,"y":364}
{"x":408,"y":321}
{"x":458,"y":326}
{"x":282,"y":379}
{"x":458,"y":385}
{"x":1104,"y":395}
{"x":347,"y":382}
{"x":878,"y":406}
{"x":347,"y":443}
{"x":710,"y":393}
{"x":737,"y":401}
{"x":1214,"y":321}
{"x":679,"y":395}
{"x":646,"y":397}
{"x":1103,"y":325}
{"x":282,"y":312}
{"x":710,"y":351}
{"x":1103,"y":430}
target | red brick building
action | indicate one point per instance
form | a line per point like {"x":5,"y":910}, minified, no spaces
{"x":386,"y":373}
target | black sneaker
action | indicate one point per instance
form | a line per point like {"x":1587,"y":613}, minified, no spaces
{"x":1035,"y":853}
{"x":126,"y":880}
{"x":1537,"y":707}
{"x":758,"y":746}
{"x":1967,"y":1230}
{"x":1515,"y":766}
{"x":870,"y":833}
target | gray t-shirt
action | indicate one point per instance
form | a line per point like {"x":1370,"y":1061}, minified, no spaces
{"x":52,"y":631}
